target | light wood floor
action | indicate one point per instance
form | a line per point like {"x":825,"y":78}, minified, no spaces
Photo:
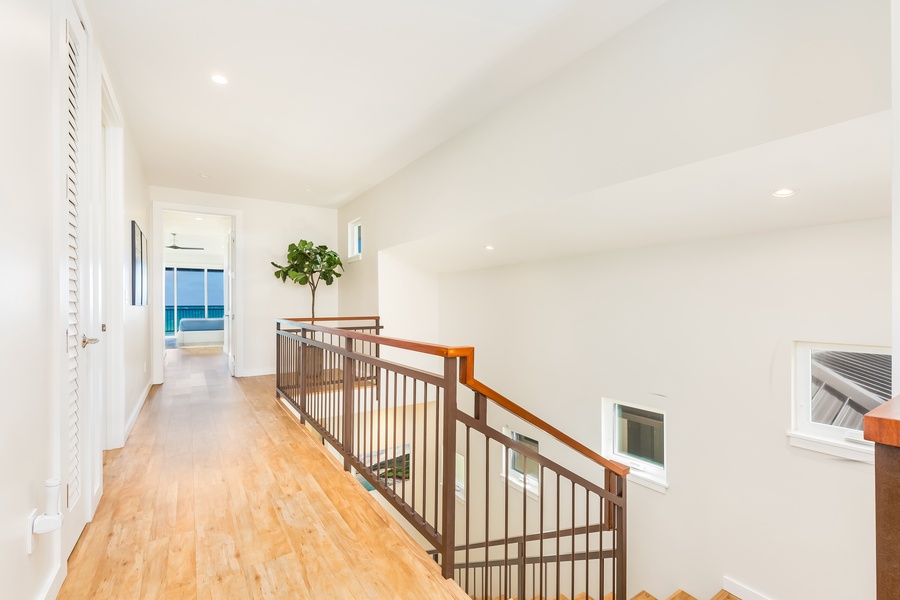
{"x":219,"y":493}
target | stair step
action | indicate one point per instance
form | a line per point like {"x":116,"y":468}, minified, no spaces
{"x":679,"y":595}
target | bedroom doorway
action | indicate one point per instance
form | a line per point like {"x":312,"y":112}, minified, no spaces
{"x":195,"y":282}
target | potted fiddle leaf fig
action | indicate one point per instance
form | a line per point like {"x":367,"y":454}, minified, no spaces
{"x":308,"y":264}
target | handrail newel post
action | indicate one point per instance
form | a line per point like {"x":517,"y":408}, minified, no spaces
{"x":609,"y":515}
{"x":348,"y":375}
{"x":448,"y":517}
{"x":481,"y":407}
{"x":622,"y":544}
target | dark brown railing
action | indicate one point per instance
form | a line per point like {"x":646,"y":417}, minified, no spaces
{"x":501,"y":516}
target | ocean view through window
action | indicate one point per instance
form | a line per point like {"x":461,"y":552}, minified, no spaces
{"x":193,"y":293}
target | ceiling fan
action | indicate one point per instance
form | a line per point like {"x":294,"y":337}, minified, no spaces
{"x":175,"y":246}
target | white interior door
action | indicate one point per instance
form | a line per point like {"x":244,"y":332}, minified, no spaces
{"x":229,"y":299}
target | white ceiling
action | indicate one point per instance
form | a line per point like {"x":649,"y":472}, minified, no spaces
{"x":326,"y":97}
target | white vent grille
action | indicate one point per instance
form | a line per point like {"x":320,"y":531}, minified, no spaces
{"x":70,"y":149}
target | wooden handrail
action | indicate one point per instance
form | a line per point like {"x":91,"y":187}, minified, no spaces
{"x":466,"y":354}
{"x":882,"y":425}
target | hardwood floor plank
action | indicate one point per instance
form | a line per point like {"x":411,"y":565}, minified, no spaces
{"x":181,"y":567}
{"x":153,"y":577}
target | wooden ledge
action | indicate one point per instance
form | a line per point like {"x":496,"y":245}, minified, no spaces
{"x":882,"y":425}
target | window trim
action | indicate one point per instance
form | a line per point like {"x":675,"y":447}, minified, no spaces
{"x":522,"y":481}
{"x":643,"y":472}
{"x":354,"y":240}
{"x":834,"y":440}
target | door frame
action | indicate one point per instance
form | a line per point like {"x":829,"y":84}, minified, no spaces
{"x":113,"y":187}
{"x":157,"y":284}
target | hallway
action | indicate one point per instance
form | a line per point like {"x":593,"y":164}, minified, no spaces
{"x":220,"y":494}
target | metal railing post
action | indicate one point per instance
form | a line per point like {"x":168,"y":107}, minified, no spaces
{"x":301,"y":373}
{"x":448,"y":518}
{"x":620,"y":528}
{"x":348,"y":375}
{"x":521,"y":575}
{"x":279,"y":365}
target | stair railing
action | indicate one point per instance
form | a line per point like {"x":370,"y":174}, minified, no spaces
{"x":502,"y":516}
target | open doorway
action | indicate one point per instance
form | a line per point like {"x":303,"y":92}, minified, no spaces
{"x":195,"y":291}
{"x":195,"y":258}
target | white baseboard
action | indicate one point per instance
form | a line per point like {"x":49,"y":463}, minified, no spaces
{"x":255,"y":372}
{"x":129,"y":425}
{"x":54,"y":583}
{"x":289,"y":407}
{"x":741,"y":591}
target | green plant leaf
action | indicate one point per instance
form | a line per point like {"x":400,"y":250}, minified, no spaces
{"x":308,"y":264}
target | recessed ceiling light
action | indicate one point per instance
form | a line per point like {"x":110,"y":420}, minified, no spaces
{"x":220,"y":79}
{"x":198,"y":218}
{"x":308,"y":190}
{"x":204,"y":175}
{"x":783,"y":192}
{"x":488,"y":247}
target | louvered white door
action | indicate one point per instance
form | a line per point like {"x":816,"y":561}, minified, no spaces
{"x":74,"y":400}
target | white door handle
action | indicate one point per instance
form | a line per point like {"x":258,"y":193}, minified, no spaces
{"x":85,"y":340}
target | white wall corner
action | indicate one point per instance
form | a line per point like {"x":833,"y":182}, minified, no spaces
{"x":741,"y":591}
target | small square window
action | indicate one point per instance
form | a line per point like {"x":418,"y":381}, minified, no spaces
{"x":836,"y":385}
{"x":518,"y":462}
{"x":640,"y":434}
{"x":354,"y":240}
{"x":522,"y":470}
{"x":636,"y":436}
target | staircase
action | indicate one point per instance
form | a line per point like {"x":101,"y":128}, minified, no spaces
{"x":679,"y":595}
{"x":467,"y":468}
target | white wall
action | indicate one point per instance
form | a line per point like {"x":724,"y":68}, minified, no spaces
{"x":267,"y":229}
{"x":136,"y":319}
{"x":408,"y":307}
{"x":703,"y":330}
{"x":28,"y":407}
